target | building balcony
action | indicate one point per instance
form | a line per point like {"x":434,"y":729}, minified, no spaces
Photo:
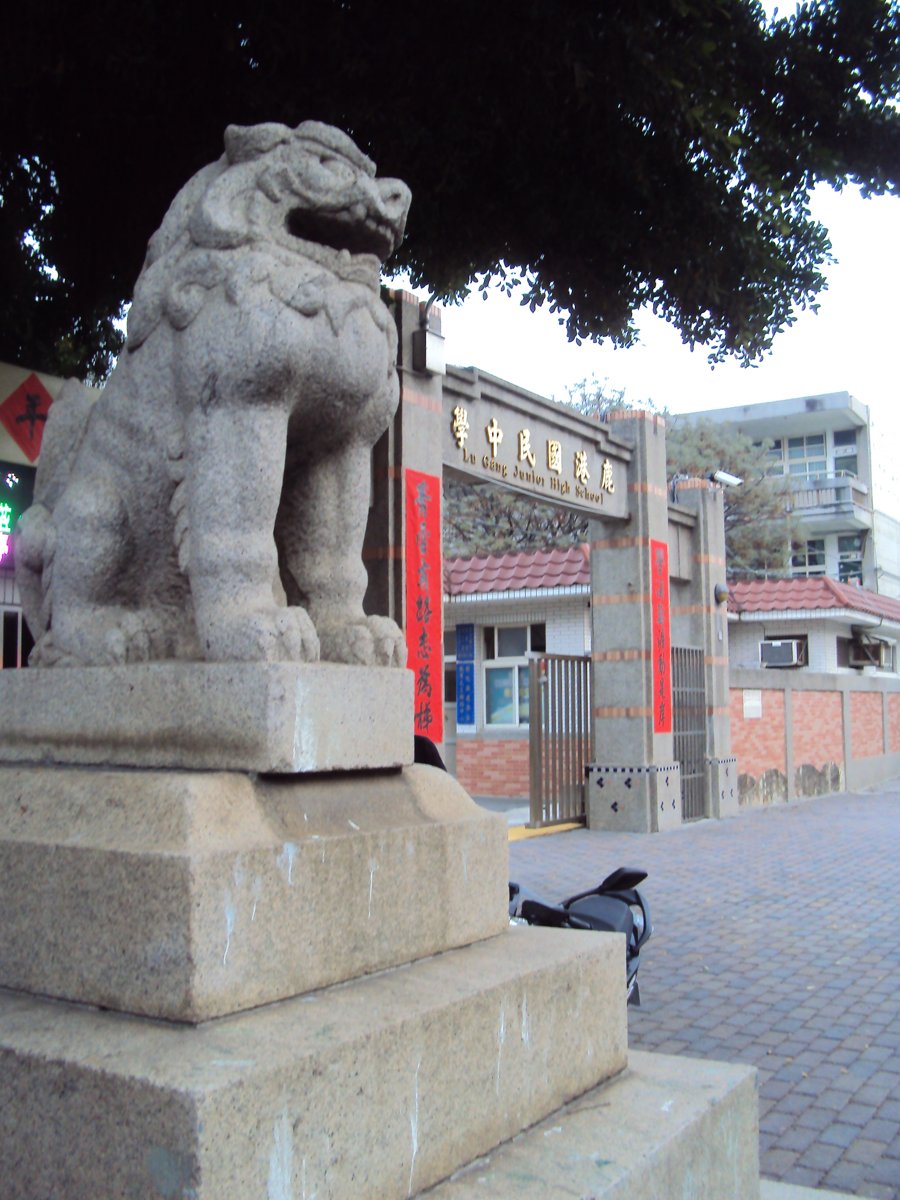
{"x":832,"y":504}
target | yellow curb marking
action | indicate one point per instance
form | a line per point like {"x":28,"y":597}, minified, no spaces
{"x":518,"y":833}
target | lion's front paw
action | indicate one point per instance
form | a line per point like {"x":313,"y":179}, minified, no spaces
{"x":268,"y":635}
{"x":371,"y":642}
{"x":46,"y":653}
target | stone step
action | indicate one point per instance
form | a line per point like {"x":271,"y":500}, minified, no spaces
{"x":770,"y":1190}
{"x":375,"y":1088}
{"x":665,"y":1127}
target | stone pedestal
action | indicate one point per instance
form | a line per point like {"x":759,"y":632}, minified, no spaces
{"x":190,"y":895}
{"x":270,"y":717}
{"x":377,"y":1088}
{"x":265,"y":985}
{"x":633,"y":799}
{"x":667,"y":1127}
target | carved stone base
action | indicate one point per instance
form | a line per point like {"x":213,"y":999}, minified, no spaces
{"x":279,"y":717}
{"x":633,"y":799}
{"x":190,"y":895}
{"x":380,"y":1087}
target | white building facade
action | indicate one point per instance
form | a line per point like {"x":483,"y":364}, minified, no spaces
{"x":824,"y":444}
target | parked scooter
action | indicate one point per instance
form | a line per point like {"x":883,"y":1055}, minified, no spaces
{"x":616,"y":905}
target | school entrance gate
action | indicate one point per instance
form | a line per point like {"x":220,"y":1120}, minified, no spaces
{"x":655,"y":561}
{"x":689,"y":716}
{"x":559,"y":737}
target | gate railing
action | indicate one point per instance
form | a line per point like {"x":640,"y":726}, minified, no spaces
{"x":689,"y":713}
{"x":559,"y":736}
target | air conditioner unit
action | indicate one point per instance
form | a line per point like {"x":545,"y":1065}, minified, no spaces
{"x":868,"y":653}
{"x":787,"y":652}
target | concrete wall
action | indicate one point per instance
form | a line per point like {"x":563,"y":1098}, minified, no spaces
{"x":814,"y":732}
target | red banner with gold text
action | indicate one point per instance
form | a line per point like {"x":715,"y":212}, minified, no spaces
{"x":662,"y":641}
{"x":424,"y":594}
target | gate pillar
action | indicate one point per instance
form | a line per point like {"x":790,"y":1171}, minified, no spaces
{"x":709,"y":619}
{"x":402,"y":549}
{"x":635,"y":784}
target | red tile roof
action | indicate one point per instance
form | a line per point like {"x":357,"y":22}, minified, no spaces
{"x":790,"y":595}
{"x":553,"y":568}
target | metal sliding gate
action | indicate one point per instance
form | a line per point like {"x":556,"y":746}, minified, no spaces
{"x":559,"y":736}
{"x":689,"y":715}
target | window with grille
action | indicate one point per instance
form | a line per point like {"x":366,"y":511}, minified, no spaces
{"x":806,"y":456}
{"x":810,"y":560}
{"x":846,"y":459}
{"x":850,"y":556}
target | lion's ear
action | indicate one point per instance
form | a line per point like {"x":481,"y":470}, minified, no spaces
{"x":246,"y":142}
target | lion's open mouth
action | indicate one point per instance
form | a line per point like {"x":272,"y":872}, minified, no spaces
{"x":339,"y":232}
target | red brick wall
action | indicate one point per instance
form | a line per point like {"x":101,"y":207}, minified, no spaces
{"x":894,"y":722}
{"x":818,"y":727}
{"x":493,"y":768}
{"x":758,"y":742}
{"x":866,"y":728}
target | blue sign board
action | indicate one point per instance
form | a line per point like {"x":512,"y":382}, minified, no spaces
{"x":465,"y":691}
{"x":465,"y":643}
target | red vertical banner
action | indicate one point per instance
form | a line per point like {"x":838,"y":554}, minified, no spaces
{"x":424,"y":596}
{"x":662,"y":638}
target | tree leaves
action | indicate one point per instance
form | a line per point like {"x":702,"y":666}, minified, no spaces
{"x":612,"y":155}
{"x":759,"y":526}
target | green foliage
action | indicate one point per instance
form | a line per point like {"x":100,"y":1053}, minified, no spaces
{"x":596,"y":398}
{"x":611,"y":155}
{"x":759,"y":527}
{"x":480,"y":518}
{"x":39,"y":327}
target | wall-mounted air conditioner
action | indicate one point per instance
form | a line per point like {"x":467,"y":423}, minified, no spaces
{"x":872,"y":653}
{"x":784,"y":652}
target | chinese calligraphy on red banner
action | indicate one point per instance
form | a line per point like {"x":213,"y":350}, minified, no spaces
{"x":662,"y":643}
{"x":423,"y":601}
{"x":24,"y":414}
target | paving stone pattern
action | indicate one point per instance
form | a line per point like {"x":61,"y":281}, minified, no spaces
{"x":776,"y":942}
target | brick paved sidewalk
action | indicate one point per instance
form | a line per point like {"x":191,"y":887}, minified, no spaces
{"x":776,"y":942}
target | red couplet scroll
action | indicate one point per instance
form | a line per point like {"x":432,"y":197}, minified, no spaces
{"x":424,"y":594}
{"x":662,"y":640}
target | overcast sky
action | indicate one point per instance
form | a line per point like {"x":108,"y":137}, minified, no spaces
{"x":850,"y":345}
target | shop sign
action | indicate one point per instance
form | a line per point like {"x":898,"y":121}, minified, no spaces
{"x":16,"y":491}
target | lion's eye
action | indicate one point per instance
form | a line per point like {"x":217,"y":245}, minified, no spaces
{"x":336,"y":167}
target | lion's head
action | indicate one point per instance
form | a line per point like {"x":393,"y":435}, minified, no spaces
{"x":307,"y":191}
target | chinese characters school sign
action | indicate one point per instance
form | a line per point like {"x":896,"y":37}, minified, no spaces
{"x":548,"y":451}
{"x":662,"y":643}
{"x":423,"y":601}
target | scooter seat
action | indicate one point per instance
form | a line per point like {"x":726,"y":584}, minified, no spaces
{"x":605,"y":913}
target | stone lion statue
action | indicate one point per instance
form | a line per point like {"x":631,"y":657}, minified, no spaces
{"x":211,"y":502}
